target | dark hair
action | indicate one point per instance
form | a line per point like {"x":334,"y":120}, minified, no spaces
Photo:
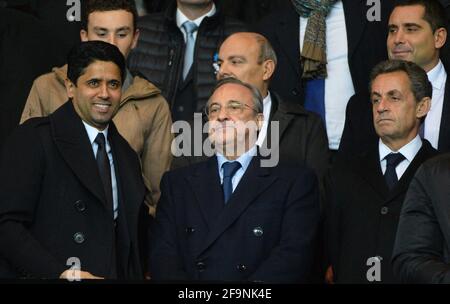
{"x":85,"y":53}
{"x":420,"y":85}
{"x":256,"y":95}
{"x":90,"y":6}
{"x":434,"y":12}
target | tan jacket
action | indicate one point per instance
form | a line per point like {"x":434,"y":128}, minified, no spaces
{"x":143,"y":119}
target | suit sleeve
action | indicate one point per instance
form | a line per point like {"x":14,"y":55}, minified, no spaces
{"x":418,"y":250}
{"x":21,"y":174}
{"x":291,"y":261}
{"x":165,"y":258}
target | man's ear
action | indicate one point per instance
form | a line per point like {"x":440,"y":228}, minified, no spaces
{"x":440,"y":37}
{"x":269,"y":68}
{"x":423,"y":107}
{"x":83,"y":35}
{"x":260,"y":120}
{"x":69,"y":88}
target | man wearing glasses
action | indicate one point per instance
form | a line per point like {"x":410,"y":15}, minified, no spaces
{"x":230,"y":218}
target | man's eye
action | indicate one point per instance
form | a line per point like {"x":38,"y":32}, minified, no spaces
{"x":93,"y":83}
{"x":122,"y":35}
{"x":236,"y":62}
{"x":101,"y":34}
{"x":411,"y":29}
{"x":114,"y":85}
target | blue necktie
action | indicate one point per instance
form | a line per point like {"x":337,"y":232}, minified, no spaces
{"x":189,"y":27}
{"x":392,"y":161}
{"x":315,"y":96}
{"x":229,"y":169}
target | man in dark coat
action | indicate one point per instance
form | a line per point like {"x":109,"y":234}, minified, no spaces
{"x":71,"y":189}
{"x":365,"y":193}
{"x":231,"y":218}
{"x":422,"y":241}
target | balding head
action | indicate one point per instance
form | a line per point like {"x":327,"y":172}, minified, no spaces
{"x":248,"y":57}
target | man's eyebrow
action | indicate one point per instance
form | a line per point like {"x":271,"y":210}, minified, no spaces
{"x":123,"y":28}
{"x":410,"y":24}
{"x":236,"y":57}
{"x":98,"y":28}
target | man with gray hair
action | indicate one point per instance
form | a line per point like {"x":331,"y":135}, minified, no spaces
{"x":209,"y":209}
{"x":366,"y":192}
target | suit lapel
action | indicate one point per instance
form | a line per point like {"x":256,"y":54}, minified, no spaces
{"x":355,"y":21}
{"x":72,"y":141}
{"x":205,"y":183}
{"x":444,"y":137}
{"x":255,"y":181}
{"x":369,"y":168}
{"x":403,"y":184}
{"x":276,"y":114}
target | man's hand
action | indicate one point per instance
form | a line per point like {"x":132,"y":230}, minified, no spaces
{"x":329,"y":276}
{"x":75,"y":275}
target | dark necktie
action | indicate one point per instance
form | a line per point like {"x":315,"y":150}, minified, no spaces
{"x":104,"y":168}
{"x":392,"y":161}
{"x":229,"y":169}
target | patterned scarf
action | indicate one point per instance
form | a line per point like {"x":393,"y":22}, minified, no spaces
{"x":313,"y":54}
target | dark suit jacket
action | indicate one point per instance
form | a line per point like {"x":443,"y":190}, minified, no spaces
{"x":53,"y":206}
{"x":366,"y":46}
{"x":266,"y":232}
{"x":363,"y":215}
{"x":359,"y":132}
{"x":421,"y":251}
{"x":303,"y":139}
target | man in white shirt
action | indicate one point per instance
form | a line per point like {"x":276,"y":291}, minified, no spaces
{"x":365,"y":192}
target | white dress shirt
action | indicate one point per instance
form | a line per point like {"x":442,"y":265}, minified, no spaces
{"x":338,"y":84}
{"x":438,"y":77}
{"x":92,"y":133}
{"x":267,"y":106}
{"x":181,"y":19}
{"x":409,"y":151}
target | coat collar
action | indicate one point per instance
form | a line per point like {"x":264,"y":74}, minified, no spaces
{"x":368,"y":167}
{"x":72,"y":141}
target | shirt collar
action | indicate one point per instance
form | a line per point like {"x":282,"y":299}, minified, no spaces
{"x":267,"y":102}
{"x":93,"y":132}
{"x":244,"y":159}
{"x":409,"y":150}
{"x":436,"y":76}
{"x":181,"y":18}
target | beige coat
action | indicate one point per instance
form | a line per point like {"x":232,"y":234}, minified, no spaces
{"x":143,"y":119}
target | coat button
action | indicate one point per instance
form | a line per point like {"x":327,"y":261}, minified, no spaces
{"x":384,"y":210}
{"x":180,"y":109}
{"x":258,"y":231}
{"x":295,"y":92}
{"x":78,"y":238}
{"x":201,"y":266}
{"x":241,"y":267}
{"x":80,"y":205}
{"x":190,"y":230}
